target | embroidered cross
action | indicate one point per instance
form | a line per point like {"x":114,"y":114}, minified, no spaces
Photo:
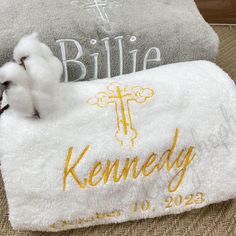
{"x":121,"y":96}
{"x":100,"y":7}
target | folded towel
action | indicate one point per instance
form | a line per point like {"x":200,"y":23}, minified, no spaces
{"x":152,"y":143}
{"x":101,"y":38}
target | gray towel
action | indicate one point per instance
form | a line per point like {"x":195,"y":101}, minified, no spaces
{"x":105,"y":38}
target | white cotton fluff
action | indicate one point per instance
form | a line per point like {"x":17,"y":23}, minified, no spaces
{"x":44,"y":70}
{"x":44,"y":83}
{"x":30,"y":45}
{"x":18,"y":92}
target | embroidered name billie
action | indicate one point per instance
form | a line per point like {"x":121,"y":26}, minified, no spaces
{"x":114,"y":171}
{"x":152,"y":55}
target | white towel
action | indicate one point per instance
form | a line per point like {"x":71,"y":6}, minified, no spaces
{"x":153,"y":143}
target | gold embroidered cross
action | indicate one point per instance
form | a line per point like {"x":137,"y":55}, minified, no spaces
{"x":121,"y":96}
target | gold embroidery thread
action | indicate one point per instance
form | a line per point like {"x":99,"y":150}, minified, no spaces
{"x":102,"y":173}
{"x":121,"y":96}
{"x":71,"y":170}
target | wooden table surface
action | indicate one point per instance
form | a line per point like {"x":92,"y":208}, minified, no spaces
{"x":218,"y":11}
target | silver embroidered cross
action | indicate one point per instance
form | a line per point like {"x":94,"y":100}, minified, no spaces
{"x":99,"y":7}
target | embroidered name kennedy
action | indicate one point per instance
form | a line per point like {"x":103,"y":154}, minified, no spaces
{"x":116,"y":171}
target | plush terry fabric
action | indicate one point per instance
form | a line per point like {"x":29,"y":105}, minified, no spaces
{"x":103,"y":38}
{"x":218,"y":219}
{"x":56,"y":170}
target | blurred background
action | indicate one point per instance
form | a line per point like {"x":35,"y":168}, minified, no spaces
{"x":218,"y":11}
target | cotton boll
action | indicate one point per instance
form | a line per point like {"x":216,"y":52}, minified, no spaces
{"x":2,"y":88}
{"x":17,"y":91}
{"x":41,"y":73}
{"x":44,"y":71}
{"x":44,"y":103}
{"x":20,"y":100}
{"x":15,"y":74}
{"x":57,"y":67}
{"x":30,"y":45}
{"x":45,"y":76}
